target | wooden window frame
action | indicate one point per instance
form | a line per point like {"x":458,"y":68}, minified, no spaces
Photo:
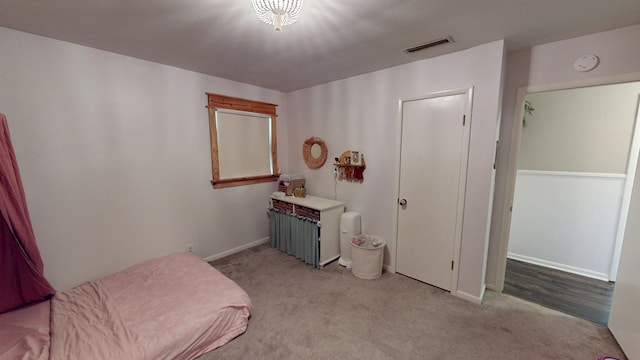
{"x":217,"y":101}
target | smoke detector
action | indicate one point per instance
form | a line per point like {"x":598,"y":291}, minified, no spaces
{"x":586,"y":63}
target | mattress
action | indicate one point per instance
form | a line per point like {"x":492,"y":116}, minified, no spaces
{"x":174,"y":307}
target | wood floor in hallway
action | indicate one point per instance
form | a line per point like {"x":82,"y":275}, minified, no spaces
{"x":572,"y":294}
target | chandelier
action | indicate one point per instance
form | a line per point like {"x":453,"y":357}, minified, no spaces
{"x":278,"y":13}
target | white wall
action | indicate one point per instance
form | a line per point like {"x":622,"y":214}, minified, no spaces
{"x":566,"y":220}
{"x":581,"y":130}
{"x":361,"y":113}
{"x":552,"y":64}
{"x":115,"y":157}
{"x":114,"y":152}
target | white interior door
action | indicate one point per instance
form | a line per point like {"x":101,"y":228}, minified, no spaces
{"x":433,"y":158}
{"x":624,"y":318}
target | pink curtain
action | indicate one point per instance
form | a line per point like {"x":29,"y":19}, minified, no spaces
{"x":21,"y":269}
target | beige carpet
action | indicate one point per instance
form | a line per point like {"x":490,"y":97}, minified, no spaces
{"x":303,"y":313}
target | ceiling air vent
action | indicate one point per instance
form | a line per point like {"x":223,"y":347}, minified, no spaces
{"x":432,"y":43}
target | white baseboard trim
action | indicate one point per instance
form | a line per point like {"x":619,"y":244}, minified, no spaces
{"x":572,"y":174}
{"x":474,"y":299}
{"x":557,"y":266}
{"x":236,"y":250}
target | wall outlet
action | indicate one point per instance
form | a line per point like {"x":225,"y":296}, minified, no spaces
{"x":190,"y":248}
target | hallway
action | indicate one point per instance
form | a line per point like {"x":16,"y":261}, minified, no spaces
{"x":577,"y":295}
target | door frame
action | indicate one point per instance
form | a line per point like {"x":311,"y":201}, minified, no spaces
{"x":512,"y":165}
{"x":463,"y":175}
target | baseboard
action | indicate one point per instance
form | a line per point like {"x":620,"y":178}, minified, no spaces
{"x":236,"y":250}
{"x":386,"y":267}
{"x":474,"y":299}
{"x":562,"y":267}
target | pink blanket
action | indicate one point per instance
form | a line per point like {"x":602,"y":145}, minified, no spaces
{"x":86,"y":325}
{"x":24,"y":333}
{"x":188,"y":306}
{"x":174,"y":307}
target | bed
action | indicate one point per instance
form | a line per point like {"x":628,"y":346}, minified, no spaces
{"x":173,"y":307}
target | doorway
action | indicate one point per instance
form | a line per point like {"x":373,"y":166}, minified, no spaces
{"x":432,"y":181}
{"x":575,"y":170}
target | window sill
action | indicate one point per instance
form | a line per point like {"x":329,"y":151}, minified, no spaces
{"x":223,"y":183}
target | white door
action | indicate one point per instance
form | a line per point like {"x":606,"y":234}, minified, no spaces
{"x":624,"y":318}
{"x":433,"y":159}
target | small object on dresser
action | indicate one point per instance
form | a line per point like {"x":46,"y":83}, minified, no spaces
{"x":300,"y":192}
{"x":289,"y":182}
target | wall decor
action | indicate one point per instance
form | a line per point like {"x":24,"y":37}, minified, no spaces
{"x":350,"y":166}
{"x":314,"y":152}
{"x":355,"y":158}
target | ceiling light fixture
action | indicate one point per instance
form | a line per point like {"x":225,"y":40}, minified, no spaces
{"x":278,"y":13}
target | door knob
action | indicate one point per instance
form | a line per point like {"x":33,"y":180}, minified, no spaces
{"x":402,"y":202}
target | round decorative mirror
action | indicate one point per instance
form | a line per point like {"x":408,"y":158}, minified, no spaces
{"x":314,"y":152}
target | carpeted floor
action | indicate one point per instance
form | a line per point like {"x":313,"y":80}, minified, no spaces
{"x":303,"y":313}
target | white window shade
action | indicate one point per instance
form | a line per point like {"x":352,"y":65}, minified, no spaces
{"x":244,"y":144}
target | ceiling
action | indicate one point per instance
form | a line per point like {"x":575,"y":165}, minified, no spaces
{"x":332,"y":40}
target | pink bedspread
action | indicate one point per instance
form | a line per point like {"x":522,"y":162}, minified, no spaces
{"x":86,"y":325}
{"x":174,"y":307}
{"x":24,"y":333}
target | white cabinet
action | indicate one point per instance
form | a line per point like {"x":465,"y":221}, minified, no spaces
{"x":326,"y":211}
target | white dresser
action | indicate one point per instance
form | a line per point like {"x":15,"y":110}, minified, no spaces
{"x":326,"y":211}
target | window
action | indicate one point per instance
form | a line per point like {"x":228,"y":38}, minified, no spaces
{"x":243,"y":141}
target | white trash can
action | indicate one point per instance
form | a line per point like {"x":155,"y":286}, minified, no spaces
{"x":367,"y":253}
{"x":349,"y":227}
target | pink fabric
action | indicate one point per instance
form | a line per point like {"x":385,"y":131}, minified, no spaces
{"x":86,"y":325}
{"x":174,"y":307}
{"x":24,"y":333}
{"x":21,"y":269}
{"x":178,"y":306}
